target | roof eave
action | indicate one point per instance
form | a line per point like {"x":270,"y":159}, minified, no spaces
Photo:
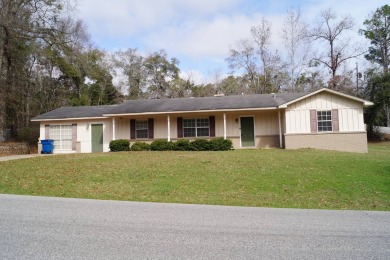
{"x":191,"y":111}
{"x":368,"y":103}
{"x":67,"y":119}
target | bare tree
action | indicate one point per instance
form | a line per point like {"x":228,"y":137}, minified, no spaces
{"x":294,"y":34}
{"x":243,"y":56}
{"x":262,"y":36}
{"x":272,"y":70}
{"x":330,"y":30}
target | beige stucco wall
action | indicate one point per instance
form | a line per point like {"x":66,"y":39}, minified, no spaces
{"x":83,"y":133}
{"x":266,"y":126}
{"x":297,"y":115}
{"x":122,"y":126}
{"x":348,"y":142}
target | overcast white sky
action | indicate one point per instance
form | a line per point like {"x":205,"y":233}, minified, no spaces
{"x":199,"y":32}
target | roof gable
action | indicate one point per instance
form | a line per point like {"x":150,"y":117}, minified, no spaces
{"x":364,"y":102}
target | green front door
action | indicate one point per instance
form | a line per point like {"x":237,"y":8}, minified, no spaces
{"x":97,"y":138}
{"x":247,"y":132}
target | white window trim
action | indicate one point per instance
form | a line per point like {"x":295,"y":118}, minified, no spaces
{"x":60,"y":145}
{"x":331,"y":121}
{"x":196,"y":127}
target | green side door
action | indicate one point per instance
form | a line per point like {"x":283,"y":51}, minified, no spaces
{"x":247,"y":132}
{"x":97,"y":138}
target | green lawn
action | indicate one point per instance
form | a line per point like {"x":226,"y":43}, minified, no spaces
{"x":267,"y":178}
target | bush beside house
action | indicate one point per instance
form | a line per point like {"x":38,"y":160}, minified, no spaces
{"x":119,"y":145}
{"x":216,"y":144}
{"x":220,"y":144}
{"x":140,"y":146}
{"x":181,"y":145}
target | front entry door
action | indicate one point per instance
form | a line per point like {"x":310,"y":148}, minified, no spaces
{"x":247,"y":132}
{"x":97,"y":138}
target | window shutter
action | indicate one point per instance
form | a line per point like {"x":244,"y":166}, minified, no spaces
{"x":212,"y":126}
{"x":74,"y":136}
{"x":179,"y":127}
{"x":313,"y":121}
{"x":132,"y":129}
{"x":47,"y":131}
{"x":151,"y":128}
{"x":335,"y":120}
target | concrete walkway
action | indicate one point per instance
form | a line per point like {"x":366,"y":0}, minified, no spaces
{"x":17,"y":157}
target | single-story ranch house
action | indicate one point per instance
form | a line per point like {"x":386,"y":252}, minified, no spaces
{"x":324,"y":119}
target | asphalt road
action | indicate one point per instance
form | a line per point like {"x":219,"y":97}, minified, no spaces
{"x":57,"y":228}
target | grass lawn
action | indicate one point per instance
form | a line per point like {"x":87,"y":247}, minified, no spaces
{"x":267,"y":178}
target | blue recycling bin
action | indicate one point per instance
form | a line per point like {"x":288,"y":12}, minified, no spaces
{"x":47,"y":146}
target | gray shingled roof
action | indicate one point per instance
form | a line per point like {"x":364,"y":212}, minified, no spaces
{"x":75,"y":112}
{"x":205,"y":103}
{"x":173,"y":105}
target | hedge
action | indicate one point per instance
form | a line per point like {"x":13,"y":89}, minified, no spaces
{"x":140,"y":146}
{"x":216,"y":144}
{"x":200,"y":145}
{"x":181,"y":145}
{"x":119,"y":145}
{"x":220,"y":144}
{"x":161,"y":145}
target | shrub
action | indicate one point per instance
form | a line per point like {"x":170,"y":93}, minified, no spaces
{"x":181,"y":145}
{"x":200,"y":145}
{"x":220,"y":144}
{"x":29,"y":134}
{"x":119,"y":145}
{"x":161,"y":145}
{"x":140,"y":146}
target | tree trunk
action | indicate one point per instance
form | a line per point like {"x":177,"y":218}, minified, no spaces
{"x":2,"y":113}
{"x":3,"y":80}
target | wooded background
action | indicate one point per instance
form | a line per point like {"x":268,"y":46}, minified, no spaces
{"x":48,"y":61}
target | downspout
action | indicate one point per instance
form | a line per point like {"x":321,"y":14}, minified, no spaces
{"x":224,"y":126}
{"x":280,"y":130}
{"x":169,"y":128}
{"x":113,"y":128}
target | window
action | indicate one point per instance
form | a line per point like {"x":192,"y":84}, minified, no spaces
{"x":324,"y":121}
{"x":62,"y":136}
{"x":141,"y":129}
{"x":196,"y":127}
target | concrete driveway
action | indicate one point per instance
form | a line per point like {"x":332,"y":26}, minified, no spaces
{"x":58,"y":228}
